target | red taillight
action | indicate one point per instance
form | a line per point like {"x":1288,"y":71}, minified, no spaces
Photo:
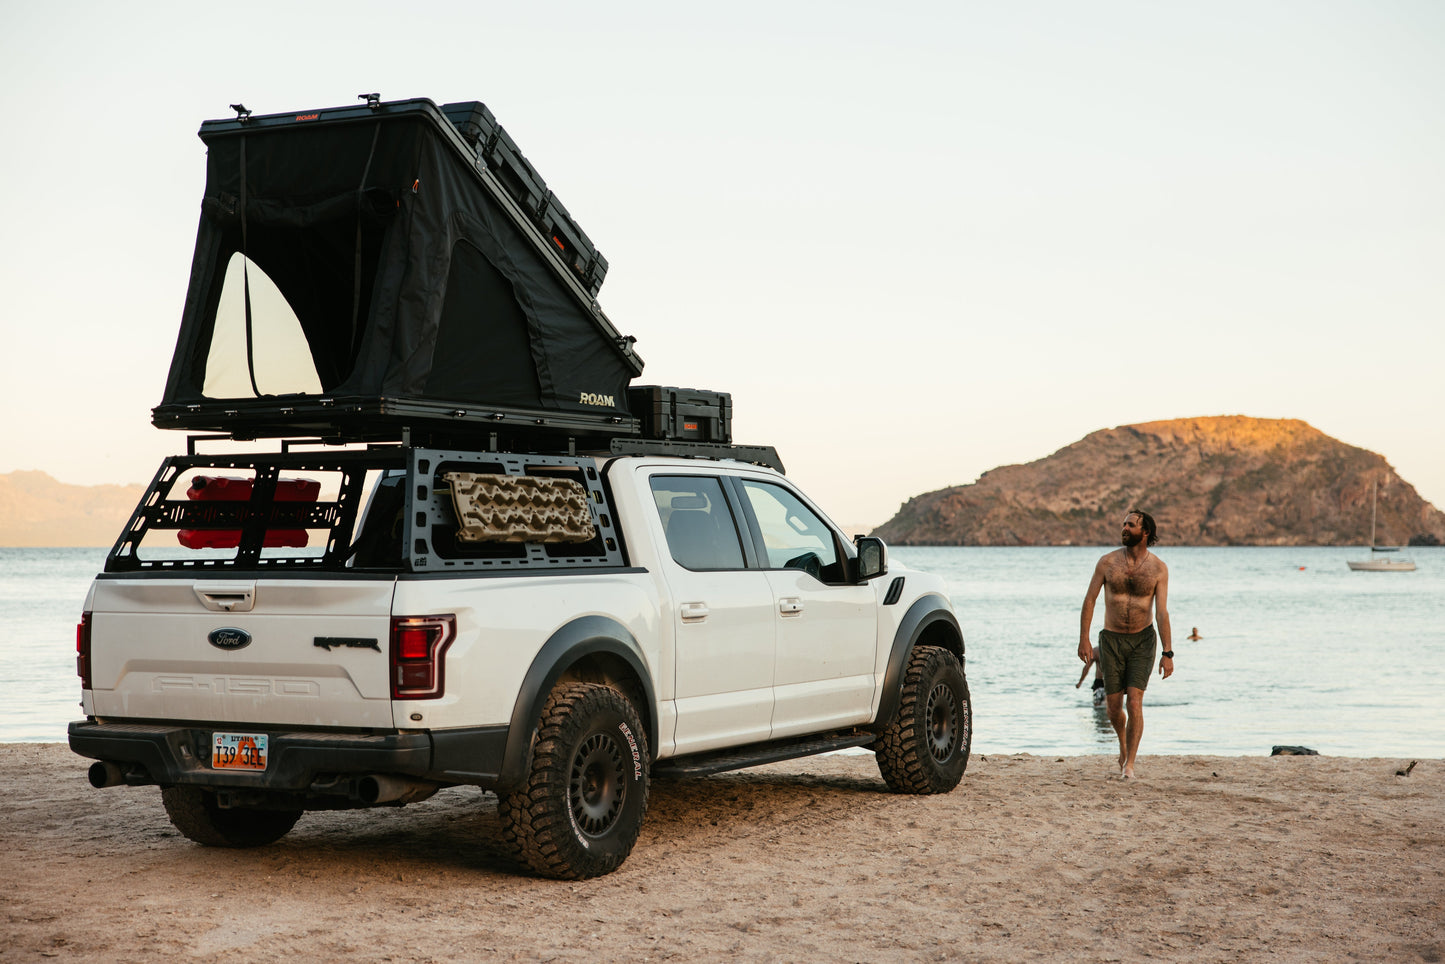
{"x":82,"y":650}
{"x":414,"y":642}
{"x":418,"y":645}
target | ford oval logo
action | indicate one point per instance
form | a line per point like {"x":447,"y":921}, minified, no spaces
{"x":229,"y":638}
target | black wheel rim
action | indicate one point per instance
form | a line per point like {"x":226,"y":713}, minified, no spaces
{"x":942,"y":720}
{"x":597,"y":789}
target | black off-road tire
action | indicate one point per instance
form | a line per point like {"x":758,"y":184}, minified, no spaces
{"x":925,"y":747}
{"x":194,"y":812}
{"x":580,"y":811}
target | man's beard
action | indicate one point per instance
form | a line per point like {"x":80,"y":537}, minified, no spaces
{"x":1133,"y":540}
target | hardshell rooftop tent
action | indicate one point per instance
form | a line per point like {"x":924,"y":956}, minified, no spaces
{"x":362,"y":270}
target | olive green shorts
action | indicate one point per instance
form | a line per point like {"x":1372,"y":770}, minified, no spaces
{"x":1126,"y":659}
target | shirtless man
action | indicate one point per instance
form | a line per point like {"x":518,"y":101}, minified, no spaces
{"x":1132,"y":578}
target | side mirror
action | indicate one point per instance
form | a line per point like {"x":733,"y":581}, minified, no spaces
{"x":872,"y":558}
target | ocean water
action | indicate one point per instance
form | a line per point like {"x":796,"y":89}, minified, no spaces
{"x":1296,"y":650}
{"x":42,"y":592}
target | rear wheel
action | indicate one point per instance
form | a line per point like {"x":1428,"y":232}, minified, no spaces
{"x":196,"y":813}
{"x":925,"y":747}
{"x":580,"y":810}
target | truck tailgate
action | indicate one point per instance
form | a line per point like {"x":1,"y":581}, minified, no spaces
{"x":294,"y":652}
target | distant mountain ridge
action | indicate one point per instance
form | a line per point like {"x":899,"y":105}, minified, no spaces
{"x":1226,"y":480}
{"x":38,"y":510}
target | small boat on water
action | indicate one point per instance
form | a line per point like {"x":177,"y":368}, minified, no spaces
{"x":1375,"y":563}
{"x":1400,"y":564}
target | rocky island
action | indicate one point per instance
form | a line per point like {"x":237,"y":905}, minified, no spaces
{"x":1220,"y":481}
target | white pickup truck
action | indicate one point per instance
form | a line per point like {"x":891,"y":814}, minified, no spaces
{"x":306,"y":630}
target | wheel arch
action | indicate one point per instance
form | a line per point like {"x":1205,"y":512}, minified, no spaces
{"x":592,"y":649}
{"x":928,"y":622}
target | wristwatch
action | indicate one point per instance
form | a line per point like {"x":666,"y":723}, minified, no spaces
{"x":1168,"y":654}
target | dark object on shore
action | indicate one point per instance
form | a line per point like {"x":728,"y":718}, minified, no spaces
{"x":1406,"y":772}
{"x":1293,"y":751}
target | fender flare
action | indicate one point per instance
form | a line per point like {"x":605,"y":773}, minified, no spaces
{"x":926,"y":612}
{"x":584,"y":636}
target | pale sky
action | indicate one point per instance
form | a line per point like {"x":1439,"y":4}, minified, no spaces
{"x":915,"y":241}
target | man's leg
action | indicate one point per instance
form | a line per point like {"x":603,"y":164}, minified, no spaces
{"x":1115,"y":704}
{"x":1134,"y":729}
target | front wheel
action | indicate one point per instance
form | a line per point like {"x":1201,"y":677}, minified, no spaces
{"x":580,"y":811}
{"x":196,"y":813}
{"x":925,"y":747}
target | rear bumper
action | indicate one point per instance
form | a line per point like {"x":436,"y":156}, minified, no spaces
{"x":299,"y":760}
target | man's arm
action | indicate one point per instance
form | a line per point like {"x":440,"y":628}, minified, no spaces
{"x":1086,"y":649}
{"x":1161,"y":616}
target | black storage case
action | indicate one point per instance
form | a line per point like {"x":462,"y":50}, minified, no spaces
{"x":432,"y":296}
{"x":500,"y":153}
{"x":682,"y":414}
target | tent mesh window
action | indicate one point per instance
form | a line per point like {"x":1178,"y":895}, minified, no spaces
{"x":260,"y":352}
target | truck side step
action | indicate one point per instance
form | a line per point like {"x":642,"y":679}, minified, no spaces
{"x":736,"y":758}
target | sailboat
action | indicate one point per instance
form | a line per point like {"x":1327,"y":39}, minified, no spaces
{"x":1375,"y":563}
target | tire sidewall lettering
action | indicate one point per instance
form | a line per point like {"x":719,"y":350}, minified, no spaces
{"x":576,"y":830}
{"x":636,"y":754}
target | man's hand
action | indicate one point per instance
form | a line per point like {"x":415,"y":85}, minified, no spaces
{"x":1166,"y":667}
{"x":1086,"y":652}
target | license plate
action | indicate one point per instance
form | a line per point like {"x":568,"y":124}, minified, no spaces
{"x":238,"y":751}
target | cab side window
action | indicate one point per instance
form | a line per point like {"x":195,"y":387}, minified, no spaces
{"x":701,"y":532}
{"x":795,"y":537}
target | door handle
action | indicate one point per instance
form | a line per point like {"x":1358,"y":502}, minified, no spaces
{"x":790,"y":605}
{"x":235,"y":598}
{"x":694,"y":612}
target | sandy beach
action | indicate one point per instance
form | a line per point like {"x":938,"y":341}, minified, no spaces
{"x":1032,"y":858}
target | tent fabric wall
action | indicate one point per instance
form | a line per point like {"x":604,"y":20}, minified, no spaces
{"x":360,"y":222}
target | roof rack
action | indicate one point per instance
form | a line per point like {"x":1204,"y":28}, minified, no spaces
{"x":765,"y":455}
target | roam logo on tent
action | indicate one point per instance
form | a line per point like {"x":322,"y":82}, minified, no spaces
{"x":590,"y":398}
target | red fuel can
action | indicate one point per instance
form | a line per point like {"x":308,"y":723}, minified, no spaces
{"x":221,"y":488}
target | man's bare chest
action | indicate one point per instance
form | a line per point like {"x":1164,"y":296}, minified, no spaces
{"x":1122,"y":579}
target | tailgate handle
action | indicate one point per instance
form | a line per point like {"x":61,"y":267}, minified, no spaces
{"x":228,"y":599}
